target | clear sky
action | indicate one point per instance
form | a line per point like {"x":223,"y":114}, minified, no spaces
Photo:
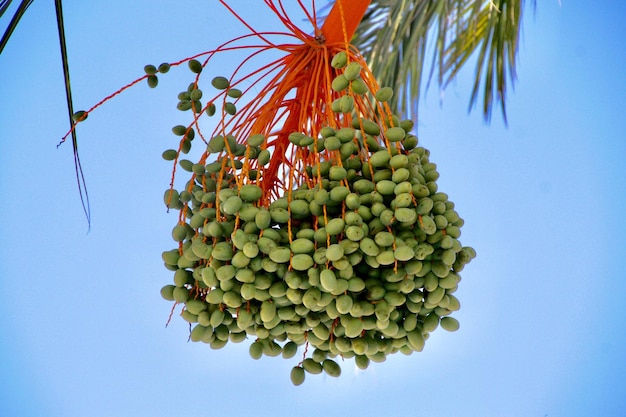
{"x":543,"y":323}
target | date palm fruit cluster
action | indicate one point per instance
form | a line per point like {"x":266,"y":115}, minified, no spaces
{"x":359,"y":259}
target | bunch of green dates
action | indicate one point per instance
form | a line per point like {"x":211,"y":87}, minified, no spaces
{"x":360,"y":261}
{"x":362,"y":266}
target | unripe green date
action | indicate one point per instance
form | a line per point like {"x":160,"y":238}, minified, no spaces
{"x":449,"y":323}
{"x":222,"y":251}
{"x":195,"y":66}
{"x":268,"y":311}
{"x":152,"y":81}
{"x":368,"y":126}
{"x":338,"y":194}
{"x":427,"y":224}
{"x":344,"y":304}
{"x":234,"y":93}
{"x":297,"y":375}
{"x":385,"y":187}
{"x":167,"y":292}
{"x":380,"y":158}
{"x":384,"y":94}
{"x":331,"y":368}
{"x":232,"y":299}
{"x":299,"y":209}
{"x":179,"y":232}
{"x":430,"y":322}
{"x":335,"y":226}
{"x":358,"y":87}
{"x":346,"y":104}
{"x":362,"y":361}
{"x":230,"y":108}
{"x":164,"y":68}
{"x":352,"y":71}
{"x":328,"y":280}
{"x":199,"y":333}
{"x":250,"y":192}
{"x":220,"y":83}
{"x":289,"y":350}
{"x":244,"y":319}
{"x":395,"y":134}
{"x":311,"y":366}
{"x":195,"y":306}
{"x":415,"y":340}
{"x":334,"y":252}
{"x":256,"y":351}
{"x":352,"y":325}
{"x":337,"y":173}
{"x":280,"y":254}
{"x":302,"y":262}
{"x":340,"y":60}
{"x":340,"y":83}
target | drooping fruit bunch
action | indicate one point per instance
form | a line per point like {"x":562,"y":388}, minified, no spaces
{"x":354,"y":252}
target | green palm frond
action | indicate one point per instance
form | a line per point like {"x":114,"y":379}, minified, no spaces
{"x":395,"y":36}
{"x":15,"y":20}
{"x":80,"y":178}
{"x":21,"y":9}
{"x":4,"y":5}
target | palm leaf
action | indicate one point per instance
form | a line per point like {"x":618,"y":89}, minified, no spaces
{"x":80,"y":178}
{"x":4,"y":5}
{"x":395,"y":36}
{"x":21,"y":9}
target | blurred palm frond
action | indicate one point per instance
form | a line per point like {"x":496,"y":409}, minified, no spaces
{"x":396,"y":35}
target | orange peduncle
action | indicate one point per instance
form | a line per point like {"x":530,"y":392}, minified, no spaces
{"x":352,"y":11}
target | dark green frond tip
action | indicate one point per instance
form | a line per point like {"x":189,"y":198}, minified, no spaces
{"x":4,"y":5}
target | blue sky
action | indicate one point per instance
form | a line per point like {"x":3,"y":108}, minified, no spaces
{"x":543,"y":323}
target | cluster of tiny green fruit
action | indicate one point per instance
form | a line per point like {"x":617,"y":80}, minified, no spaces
{"x":360,"y":261}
